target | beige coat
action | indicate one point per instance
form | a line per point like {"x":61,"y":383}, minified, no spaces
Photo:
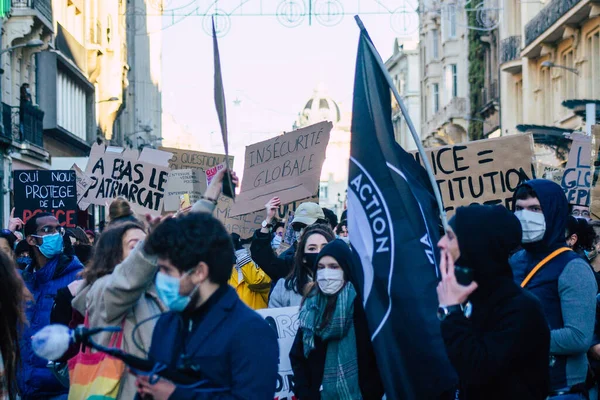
{"x":127,"y":294}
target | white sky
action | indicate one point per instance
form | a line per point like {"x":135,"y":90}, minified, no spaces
{"x":272,"y":69}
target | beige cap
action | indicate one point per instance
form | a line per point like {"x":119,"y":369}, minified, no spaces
{"x":308,"y":213}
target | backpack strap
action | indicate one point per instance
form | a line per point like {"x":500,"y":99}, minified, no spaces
{"x":542,"y":263}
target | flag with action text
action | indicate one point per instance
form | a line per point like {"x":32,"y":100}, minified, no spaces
{"x":393,"y":224}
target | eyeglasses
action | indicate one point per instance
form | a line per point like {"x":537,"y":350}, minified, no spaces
{"x":51,"y":230}
{"x":578,"y":213}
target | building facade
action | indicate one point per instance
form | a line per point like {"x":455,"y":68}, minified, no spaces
{"x":75,"y":72}
{"x":443,"y":48}
{"x":403,"y":67}
{"x":334,"y":175}
{"x":550,"y":63}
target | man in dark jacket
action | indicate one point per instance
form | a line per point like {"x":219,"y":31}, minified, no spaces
{"x":565,"y":285}
{"x":263,"y":255}
{"x":49,"y":271}
{"x":498,"y":341}
{"x":209,"y":332}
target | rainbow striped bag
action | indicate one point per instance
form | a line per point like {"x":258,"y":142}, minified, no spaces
{"x":96,"y":376}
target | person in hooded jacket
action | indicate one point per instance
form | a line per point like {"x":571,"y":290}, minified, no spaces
{"x":50,"y":269}
{"x":564,"y":283}
{"x":500,"y":350}
{"x":332,"y":356}
{"x":278,"y":267}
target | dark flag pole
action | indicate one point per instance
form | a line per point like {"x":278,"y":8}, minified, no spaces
{"x":220,"y":103}
{"x":394,"y":219}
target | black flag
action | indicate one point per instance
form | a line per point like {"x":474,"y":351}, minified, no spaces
{"x":394,"y":225}
{"x":220,"y":104}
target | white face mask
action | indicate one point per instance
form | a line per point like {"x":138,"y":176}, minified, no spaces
{"x":298,"y":234}
{"x":330,"y":281}
{"x":533,"y":224}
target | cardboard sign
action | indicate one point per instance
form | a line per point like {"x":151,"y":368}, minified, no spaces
{"x":595,"y":187}
{"x":39,"y":191}
{"x":83,"y":182}
{"x":184,"y":159}
{"x":482,"y":172}
{"x":288,"y":166}
{"x":578,"y":173}
{"x":284,"y":322}
{"x":212,"y":172}
{"x":183,"y":182}
{"x":245,"y":225}
{"x":550,"y":172}
{"x":141,"y":178}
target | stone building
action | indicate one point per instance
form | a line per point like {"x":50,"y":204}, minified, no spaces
{"x":443,"y":48}
{"x":403,"y":67}
{"x":550,"y":62}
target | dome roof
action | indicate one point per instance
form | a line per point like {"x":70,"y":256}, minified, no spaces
{"x":319,"y":107}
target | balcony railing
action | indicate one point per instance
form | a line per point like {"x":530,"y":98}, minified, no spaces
{"x":43,"y":6}
{"x":24,"y":124}
{"x":489,"y":93}
{"x":510,"y":49}
{"x":547,"y":16}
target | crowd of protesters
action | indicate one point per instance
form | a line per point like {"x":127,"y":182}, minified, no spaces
{"x":519,"y":307}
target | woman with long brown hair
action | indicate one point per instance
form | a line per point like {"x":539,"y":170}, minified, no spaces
{"x":289,"y":291}
{"x":13,"y":296}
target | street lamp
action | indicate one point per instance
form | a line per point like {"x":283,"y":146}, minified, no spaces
{"x":31,"y":43}
{"x":550,"y":64}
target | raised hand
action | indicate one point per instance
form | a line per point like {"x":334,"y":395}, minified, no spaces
{"x":449,"y":291}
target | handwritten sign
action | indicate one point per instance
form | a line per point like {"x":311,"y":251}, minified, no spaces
{"x":212,"y":172}
{"x":184,"y":159}
{"x":83,"y":182}
{"x":577,"y":178}
{"x":246,"y":224}
{"x":284,"y":322}
{"x":482,"y":172}
{"x":287,"y":166}
{"x":595,"y":163}
{"x":39,"y":191}
{"x":181,"y":182}
{"x":139,"y":177}
{"x":550,"y":172}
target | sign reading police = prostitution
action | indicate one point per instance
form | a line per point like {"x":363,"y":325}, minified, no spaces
{"x":37,"y":191}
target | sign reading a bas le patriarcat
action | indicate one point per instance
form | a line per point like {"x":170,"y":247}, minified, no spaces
{"x":39,"y":191}
{"x":139,"y":177}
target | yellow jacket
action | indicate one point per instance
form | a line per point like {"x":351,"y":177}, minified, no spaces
{"x":250,"y":282}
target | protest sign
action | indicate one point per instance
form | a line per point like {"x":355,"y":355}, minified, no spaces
{"x":39,"y":191}
{"x":595,"y":164}
{"x":287,"y":166}
{"x":246,"y":224}
{"x":482,"y":172}
{"x":550,"y":172}
{"x":212,"y":172}
{"x":284,"y":322}
{"x":183,"y":182}
{"x":578,"y":173}
{"x":83,"y":182}
{"x":141,"y":178}
{"x":184,"y":159}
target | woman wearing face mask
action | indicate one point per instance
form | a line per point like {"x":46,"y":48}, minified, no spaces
{"x":118,"y":291}
{"x":332,"y":355}
{"x":289,"y":291}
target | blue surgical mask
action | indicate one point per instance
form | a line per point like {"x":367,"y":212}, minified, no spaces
{"x":276,"y":242}
{"x":52,"y":245}
{"x":24,"y":261}
{"x":168,"y":291}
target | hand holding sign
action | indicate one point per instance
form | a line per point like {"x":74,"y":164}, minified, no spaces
{"x":14,"y":224}
{"x":216,"y":184}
